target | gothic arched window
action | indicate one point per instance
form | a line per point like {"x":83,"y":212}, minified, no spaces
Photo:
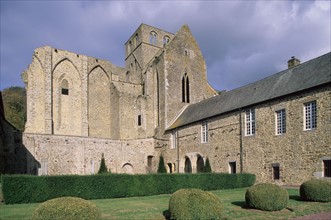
{"x":185,"y":89}
{"x":166,"y":40}
{"x":152,"y":38}
{"x":64,"y":87}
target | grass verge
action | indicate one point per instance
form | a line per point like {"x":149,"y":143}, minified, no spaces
{"x":156,"y":207}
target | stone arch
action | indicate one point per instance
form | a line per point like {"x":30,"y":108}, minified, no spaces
{"x":99,"y":103}
{"x":36,"y":97}
{"x":67,"y":108}
{"x":200,"y":164}
{"x":170,"y":168}
{"x":188,"y":165}
{"x":66,"y":60}
{"x":127,"y":168}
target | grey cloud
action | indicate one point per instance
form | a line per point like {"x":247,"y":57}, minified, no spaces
{"x":242,"y":41}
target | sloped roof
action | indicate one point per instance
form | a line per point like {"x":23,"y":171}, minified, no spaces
{"x":301,"y":77}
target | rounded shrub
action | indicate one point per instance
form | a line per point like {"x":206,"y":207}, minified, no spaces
{"x":194,"y":204}
{"x":66,"y":208}
{"x":316,"y":190}
{"x":266,"y":197}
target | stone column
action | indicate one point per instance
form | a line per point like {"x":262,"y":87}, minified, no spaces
{"x":48,"y":91}
{"x":84,"y":88}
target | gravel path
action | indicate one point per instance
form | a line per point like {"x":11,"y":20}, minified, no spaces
{"x":318,"y":216}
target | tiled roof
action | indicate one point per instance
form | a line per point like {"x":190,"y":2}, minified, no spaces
{"x":304,"y":76}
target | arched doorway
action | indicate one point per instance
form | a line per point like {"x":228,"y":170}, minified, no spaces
{"x":169,"y":168}
{"x":200,"y":164}
{"x":127,"y":168}
{"x":188,"y":166}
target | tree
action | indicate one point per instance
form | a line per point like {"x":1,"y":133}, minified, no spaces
{"x":207,"y":168}
{"x":161,"y":168}
{"x":14,"y":101}
{"x":103,"y":167}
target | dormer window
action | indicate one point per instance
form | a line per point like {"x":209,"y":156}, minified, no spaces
{"x":152,"y":38}
{"x":64,"y":87}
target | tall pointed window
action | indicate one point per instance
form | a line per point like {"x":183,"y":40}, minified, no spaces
{"x":64,"y":87}
{"x":185,"y":89}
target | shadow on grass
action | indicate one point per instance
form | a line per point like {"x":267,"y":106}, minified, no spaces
{"x":296,"y":198}
{"x":166,"y":214}
{"x":242,"y":204}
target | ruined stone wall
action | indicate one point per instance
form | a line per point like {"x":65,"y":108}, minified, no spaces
{"x":140,"y":49}
{"x":58,"y":155}
{"x":298,"y":153}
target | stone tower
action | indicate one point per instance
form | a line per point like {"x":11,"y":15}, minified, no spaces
{"x":144,"y":43}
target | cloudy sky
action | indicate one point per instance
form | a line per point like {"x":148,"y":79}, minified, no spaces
{"x":242,"y":41}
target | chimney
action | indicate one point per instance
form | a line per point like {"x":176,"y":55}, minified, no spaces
{"x":293,"y":62}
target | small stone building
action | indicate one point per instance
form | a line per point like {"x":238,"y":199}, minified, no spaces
{"x":80,"y":107}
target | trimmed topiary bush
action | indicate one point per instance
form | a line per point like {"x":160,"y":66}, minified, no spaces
{"x":266,"y":197}
{"x":103,"y":166}
{"x":316,"y":190}
{"x":194,"y":204}
{"x":207,"y":168}
{"x":66,"y":208}
{"x":161,"y":168}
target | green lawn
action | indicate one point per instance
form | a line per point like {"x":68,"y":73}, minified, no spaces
{"x":155,"y":207}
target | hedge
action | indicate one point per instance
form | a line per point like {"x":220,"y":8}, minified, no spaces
{"x":32,"y":189}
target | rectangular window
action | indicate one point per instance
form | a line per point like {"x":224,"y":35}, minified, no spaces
{"x":250,"y":122}
{"x":44,"y":167}
{"x":327,"y":168}
{"x":310,"y":119}
{"x":275,"y":171}
{"x":232,"y":167}
{"x":65,"y":91}
{"x":281,"y":122}
{"x":139,"y":120}
{"x":204,"y":132}
{"x":173,"y":140}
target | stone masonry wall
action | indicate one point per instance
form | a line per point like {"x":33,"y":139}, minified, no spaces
{"x":299,"y":153}
{"x":58,"y":155}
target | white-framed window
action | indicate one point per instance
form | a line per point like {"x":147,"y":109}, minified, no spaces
{"x":204,"y":132}
{"x":173,"y":138}
{"x":280,"y":122}
{"x":250,"y":122}
{"x":310,"y":115}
